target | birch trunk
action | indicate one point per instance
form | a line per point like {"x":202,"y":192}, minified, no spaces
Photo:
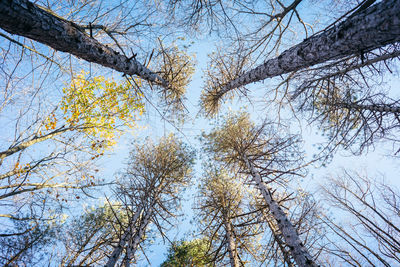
{"x":369,"y":29}
{"x":292,"y":239}
{"x":24,"y":18}
{"x":123,"y":240}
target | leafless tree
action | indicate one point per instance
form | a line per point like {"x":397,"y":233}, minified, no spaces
{"x":370,"y":234}
{"x":341,"y":82}
{"x":349,"y":102}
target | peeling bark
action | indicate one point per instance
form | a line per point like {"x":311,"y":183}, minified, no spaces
{"x":369,"y":29}
{"x":292,"y":239}
{"x":24,"y":18}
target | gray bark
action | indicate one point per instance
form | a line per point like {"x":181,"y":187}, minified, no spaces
{"x":123,"y":240}
{"x":298,"y":251}
{"x":24,"y":18}
{"x":373,"y":108}
{"x":131,"y":237}
{"x":139,"y":234}
{"x":369,"y":29}
{"x":231,"y":245}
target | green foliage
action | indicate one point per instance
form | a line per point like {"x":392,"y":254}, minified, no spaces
{"x":187,"y":254}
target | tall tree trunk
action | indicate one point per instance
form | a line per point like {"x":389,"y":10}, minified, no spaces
{"x":140,"y":232}
{"x":24,"y":18}
{"x":123,"y":240}
{"x":278,"y":239}
{"x":369,"y":29}
{"x":131,"y":237}
{"x":298,"y":251}
{"x":233,"y":257}
{"x":360,"y":107}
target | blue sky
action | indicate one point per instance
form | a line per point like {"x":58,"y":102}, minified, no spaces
{"x":375,"y":162}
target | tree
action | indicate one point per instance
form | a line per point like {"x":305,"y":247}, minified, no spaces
{"x":367,"y":30}
{"x":304,"y":214}
{"x":327,"y":74}
{"x":370,"y":236}
{"x":27,"y":242}
{"x":349,"y":101}
{"x":95,"y":109}
{"x":148,"y":193}
{"x":41,"y":24}
{"x":87,"y":122}
{"x":151,"y":187}
{"x":187,"y":254}
{"x":226,"y":220}
{"x":52,"y":137}
{"x":267,"y":158}
{"x":87,"y":239}
{"x":30,"y":20}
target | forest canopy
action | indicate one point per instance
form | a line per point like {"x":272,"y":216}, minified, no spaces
{"x":199,"y":133}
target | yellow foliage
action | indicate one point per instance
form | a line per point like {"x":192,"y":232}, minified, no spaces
{"x":98,"y":106}
{"x":21,"y":169}
{"x":51,"y":122}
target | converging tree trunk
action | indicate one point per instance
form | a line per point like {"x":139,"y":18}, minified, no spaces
{"x":292,"y":239}
{"x":24,"y":18}
{"x":369,"y":29}
{"x":262,"y":153}
{"x":124,"y":239}
{"x":151,"y":183}
{"x":231,"y":244}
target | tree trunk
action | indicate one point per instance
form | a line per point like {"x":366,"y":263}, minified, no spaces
{"x":233,"y":258}
{"x":123,"y":240}
{"x":369,"y":29}
{"x":133,"y":238}
{"x":139,"y":234}
{"x":382,"y":108}
{"x":292,"y":239}
{"x":24,"y":18}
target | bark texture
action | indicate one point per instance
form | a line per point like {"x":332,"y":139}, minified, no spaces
{"x":140,"y":232}
{"x":133,"y":235}
{"x":369,"y":29}
{"x":297,"y":248}
{"x":124,"y":239}
{"x":373,"y":108}
{"x":233,"y":258}
{"x":24,"y":18}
